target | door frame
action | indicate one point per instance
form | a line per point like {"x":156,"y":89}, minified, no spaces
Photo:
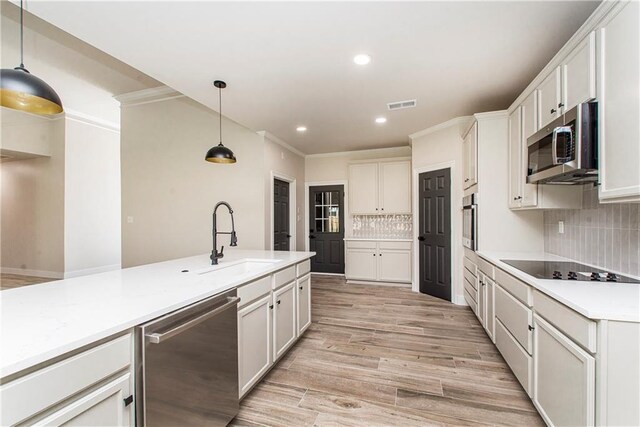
{"x":347,"y":220}
{"x":292,"y":208}
{"x":455,"y":251}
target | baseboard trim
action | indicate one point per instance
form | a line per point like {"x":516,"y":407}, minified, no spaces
{"x":366,"y":282}
{"x":459,"y":300}
{"x":87,"y":271}
{"x":314,"y":273}
{"x":34,"y":273}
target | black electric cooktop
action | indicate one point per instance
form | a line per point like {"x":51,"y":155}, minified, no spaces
{"x":566,"y":270}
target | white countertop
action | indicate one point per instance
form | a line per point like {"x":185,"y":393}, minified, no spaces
{"x":40,"y":322}
{"x":378,"y":239}
{"x":595,"y":300}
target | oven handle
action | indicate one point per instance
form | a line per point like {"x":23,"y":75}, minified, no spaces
{"x":156,"y":338}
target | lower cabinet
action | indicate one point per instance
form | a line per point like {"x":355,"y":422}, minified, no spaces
{"x":381,"y":261}
{"x":284,"y":319}
{"x":361,"y":264}
{"x":488,"y":299}
{"x":516,"y":357}
{"x":564,"y":378}
{"x":304,"y":303}
{"x":394,"y":265}
{"x":254,"y":342}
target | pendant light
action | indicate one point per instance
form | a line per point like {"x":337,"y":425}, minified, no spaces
{"x":21,"y":90}
{"x":220,"y":153}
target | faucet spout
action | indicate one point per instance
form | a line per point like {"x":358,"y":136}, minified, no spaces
{"x":215,"y":255}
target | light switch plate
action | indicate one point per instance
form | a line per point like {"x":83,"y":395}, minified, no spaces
{"x":561,"y":227}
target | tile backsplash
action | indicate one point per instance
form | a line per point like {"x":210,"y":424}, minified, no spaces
{"x":382,"y":226}
{"x":605,"y":235}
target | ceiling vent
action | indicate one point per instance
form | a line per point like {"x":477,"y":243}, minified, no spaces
{"x":400,"y":105}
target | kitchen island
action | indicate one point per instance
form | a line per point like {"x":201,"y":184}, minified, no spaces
{"x":46,"y":327}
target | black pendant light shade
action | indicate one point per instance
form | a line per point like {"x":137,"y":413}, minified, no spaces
{"x":220,"y":153}
{"x":21,"y":90}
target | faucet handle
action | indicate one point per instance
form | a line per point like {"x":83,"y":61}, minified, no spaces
{"x":221,"y":254}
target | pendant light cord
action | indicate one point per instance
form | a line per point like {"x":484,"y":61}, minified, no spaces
{"x":21,"y":36}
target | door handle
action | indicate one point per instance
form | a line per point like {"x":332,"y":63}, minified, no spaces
{"x":288,"y":236}
{"x":421,"y":238}
{"x":312,"y":236}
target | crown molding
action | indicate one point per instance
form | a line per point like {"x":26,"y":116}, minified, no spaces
{"x":348,"y":153}
{"x":462,"y":122}
{"x":501,"y":114}
{"x":147,"y":96}
{"x":92,"y":120}
{"x":281,"y":143}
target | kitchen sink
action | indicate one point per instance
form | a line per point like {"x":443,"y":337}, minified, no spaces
{"x":239,"y":268}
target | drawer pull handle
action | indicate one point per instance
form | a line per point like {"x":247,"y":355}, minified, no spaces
{"x":128,"y":400}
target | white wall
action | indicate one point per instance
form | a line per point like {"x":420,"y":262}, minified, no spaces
{"x":442,"y":149}
{"x":283,"y":162}
{"x":169,"y":190}
{"x":92,"y":198}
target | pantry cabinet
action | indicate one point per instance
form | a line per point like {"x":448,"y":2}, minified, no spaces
{"x":380,"y":261}
{"x":380,"y":188}
{"x":470,"y":157}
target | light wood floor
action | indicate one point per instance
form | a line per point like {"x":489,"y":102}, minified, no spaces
{"x":11,"y":281}
{"x":382,"y":356}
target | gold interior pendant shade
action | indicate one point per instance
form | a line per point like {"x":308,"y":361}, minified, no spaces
{"x":21,"y":90}
{"x":220,"y":153}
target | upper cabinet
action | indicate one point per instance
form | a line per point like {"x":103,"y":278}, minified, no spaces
{"x":380,"y":188}
{"x":579,"y":74}
{"x":470,"y":155}
{"x":619,"y":104}
{"x":549,"y":98}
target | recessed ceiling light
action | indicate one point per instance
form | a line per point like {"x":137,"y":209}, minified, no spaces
{"x":381,"y":119}
{"x":362,"y":59}
{"x":301,"y":128}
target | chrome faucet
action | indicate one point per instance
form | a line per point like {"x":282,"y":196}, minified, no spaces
{"x":215,"y":255}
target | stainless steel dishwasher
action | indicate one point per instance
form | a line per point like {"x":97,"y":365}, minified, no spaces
{"x":187,"y":365}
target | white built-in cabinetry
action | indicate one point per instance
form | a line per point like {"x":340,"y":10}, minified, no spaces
{"x":470,"y":157}
{"x":379,"y":261}
{"x":380,"y":187}
{"x":274,"y":312}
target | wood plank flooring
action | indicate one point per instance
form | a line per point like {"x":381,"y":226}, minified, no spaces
{"x":11,"y":281}
{"x":386,"y":356}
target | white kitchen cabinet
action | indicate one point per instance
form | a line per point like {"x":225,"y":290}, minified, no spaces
{"x":579,"y":74}
{"x":481,"y":298}
{"x":470,"y":157}
{"x":254,"y":342}
{"x":379,"y":261}
{"x":564,"y":378}
{"x":303,"y":303}
{"x":363,"y":188}
{"x":488,"y":300}
{"x":515,"y":158}
{"x":284,"y":319}
{"x":101,"y":407}
{"x":619,"y":103}
{"x":549,"y":98}
{"x":380,"y":188}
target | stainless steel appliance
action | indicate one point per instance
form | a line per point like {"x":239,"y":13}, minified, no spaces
{"x":566,"y":270}
{"x":187,"y":365}
{"x":470,"y":221}
{"x":565,"y":150}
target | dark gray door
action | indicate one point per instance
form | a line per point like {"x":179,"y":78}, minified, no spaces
{"x":435,"y":233}
{"x":326,"y":221}
{"x":281,"y":233}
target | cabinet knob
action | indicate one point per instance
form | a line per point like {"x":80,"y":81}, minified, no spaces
{"x":278,"y":301}
{"x":380,"y":254}
{"x":531,"y":328}
{"x":374,"y":254}
{"x":376,"y":208}
{"x":300,"y":287}
{"x":382,"y":209}
{"x":553,"y":110}
{"x":560,"y":105}
{"x":271,"y":306}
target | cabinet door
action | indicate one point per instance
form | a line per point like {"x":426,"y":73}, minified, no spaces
{"x":361,"y":264}
{"x":515,"y":158}
{"x":549,"y":98}
{"x":284,"y":319}
{"x":395,"y":187}
{"x":489,"y":316}
{"x":363,"y":188}
{"x":304,"y":303}
{"x":563,"y":378}
{"x":394,"y":266}
{"x":619,"y":104}
{"x":481,"y":296}
{"x":470,"y":147}
{"x":254,"y":342}
{"x":102,"y":407}
{"x":579,"y":74}
{"x":529,"y":192}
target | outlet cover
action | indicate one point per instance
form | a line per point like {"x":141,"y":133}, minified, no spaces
{"x":561,"y":227}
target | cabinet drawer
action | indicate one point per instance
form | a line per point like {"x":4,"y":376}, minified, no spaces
{"x":468,"y":287}
{"x":254,"y":290}
{"x":401,"y":246}
{"x":283,"y":277}
{"x":361,"y":244}
{"x":577,"y":327}
{"x":486,"y":268}
{"x":472,"y":303}
{"x":518,"y":289}
{"x":515,"y":316}
{"x":39,"y":390}
{"x":516,"y":357}
{"x":303,"y":268}
{"x":469,"y":266}
{"x":471,"y":278}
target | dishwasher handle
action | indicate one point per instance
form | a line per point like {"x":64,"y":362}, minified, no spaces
{"x":156,"y":338}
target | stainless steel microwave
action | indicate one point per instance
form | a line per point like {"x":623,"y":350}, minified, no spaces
{"x":565,"y":151}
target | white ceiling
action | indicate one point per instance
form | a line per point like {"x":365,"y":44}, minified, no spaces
{"x":288,"y":64}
